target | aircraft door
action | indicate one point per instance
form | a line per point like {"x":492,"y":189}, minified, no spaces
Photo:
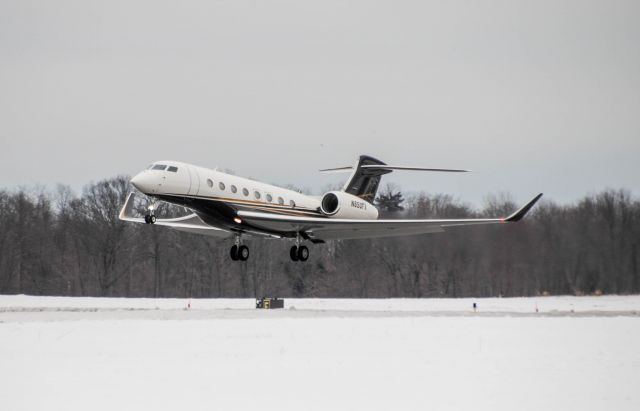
{"x":194,"y":187}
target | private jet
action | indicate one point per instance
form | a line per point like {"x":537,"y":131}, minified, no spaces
{"x":227,"y":206}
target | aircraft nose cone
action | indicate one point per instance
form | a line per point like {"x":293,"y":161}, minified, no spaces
{"x":141,"y":182}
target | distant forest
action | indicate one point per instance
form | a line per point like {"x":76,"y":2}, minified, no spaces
{"x":57,"y":243}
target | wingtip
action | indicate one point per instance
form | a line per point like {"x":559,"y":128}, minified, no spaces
{"x":518,"y":215}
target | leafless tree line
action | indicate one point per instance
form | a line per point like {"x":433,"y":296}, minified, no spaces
{"x":57,"y":243}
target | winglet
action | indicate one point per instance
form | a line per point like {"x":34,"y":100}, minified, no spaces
{"x":517,"y":216}
{"x":126,"y":214}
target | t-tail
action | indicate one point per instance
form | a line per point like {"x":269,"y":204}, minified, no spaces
{"x":365,"y":176}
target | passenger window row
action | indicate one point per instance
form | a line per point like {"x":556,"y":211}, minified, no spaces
{"x":245,"y":192}
{"x":222,"y":186}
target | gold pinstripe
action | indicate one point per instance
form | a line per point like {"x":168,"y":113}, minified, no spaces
{"x":277,"y":208}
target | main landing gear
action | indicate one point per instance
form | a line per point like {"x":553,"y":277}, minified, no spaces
{"x":239,"y":252}
{"x":299,"y":253}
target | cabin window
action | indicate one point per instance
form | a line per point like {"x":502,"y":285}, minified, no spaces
{"x":292,"y":203}
{"x":221,"y":185}
{"x":257,"y":194}
{"x":159,"y":167}
{"x":209,"y":182}
{"x":269,"y":198}
{"x":245,"y":192}
{"x":234,"y":189}
{"x":173,"y":169}
{"x":280,"y":200}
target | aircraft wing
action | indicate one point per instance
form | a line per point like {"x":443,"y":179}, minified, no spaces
{"x":190,"y":223}
{"x":333,"y":228}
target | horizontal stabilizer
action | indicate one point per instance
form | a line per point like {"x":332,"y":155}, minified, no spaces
{"x":347,"y":169}
{"x":373,"y":167}
{"x":385,"y":167}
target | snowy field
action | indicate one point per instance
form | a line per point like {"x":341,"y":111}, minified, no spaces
{"x":551,"y":353}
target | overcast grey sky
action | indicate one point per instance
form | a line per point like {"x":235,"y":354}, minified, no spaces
{"x":531,"y":95}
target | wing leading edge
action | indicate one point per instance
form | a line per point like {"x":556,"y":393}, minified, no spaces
{"x":334,"y":228}
{"x":190,"y":223}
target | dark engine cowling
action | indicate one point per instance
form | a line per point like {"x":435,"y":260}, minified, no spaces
{"x":338,"y":204}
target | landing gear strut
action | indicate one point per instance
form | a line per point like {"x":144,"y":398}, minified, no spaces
{"x":238,"y":251}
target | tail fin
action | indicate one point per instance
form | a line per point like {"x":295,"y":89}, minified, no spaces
{"x":364,"y":181}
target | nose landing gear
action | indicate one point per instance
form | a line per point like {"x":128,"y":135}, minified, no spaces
{"x":150,"y":218}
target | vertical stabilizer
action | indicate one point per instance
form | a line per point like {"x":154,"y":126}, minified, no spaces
{"x":364,"y":182}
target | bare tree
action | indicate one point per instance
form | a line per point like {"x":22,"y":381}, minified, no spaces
{"x":58,"y":243}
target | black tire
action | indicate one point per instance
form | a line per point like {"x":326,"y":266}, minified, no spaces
{"x":146,"y":219}
{"x":243,"y":253}
{"x":293,"y":253}
{"x":234,"y":253}
{"x":303,"y":253}
{"x":152,"y":219}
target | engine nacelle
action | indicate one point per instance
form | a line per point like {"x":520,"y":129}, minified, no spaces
{"x":338,"y":204}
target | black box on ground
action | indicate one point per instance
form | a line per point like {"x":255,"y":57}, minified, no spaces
{"x":269,"y":303}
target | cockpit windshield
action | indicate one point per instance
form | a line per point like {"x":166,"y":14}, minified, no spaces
{"x":159,"y":167}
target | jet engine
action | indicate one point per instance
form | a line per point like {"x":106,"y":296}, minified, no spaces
{"x":338,"y":204}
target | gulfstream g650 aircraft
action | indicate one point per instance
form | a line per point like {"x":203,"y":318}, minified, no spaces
{"x":228,"y":206}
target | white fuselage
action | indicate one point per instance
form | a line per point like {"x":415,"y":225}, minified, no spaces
{"x":174,"y":180}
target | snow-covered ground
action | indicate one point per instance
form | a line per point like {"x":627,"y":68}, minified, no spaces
{"x":60,"y":353}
